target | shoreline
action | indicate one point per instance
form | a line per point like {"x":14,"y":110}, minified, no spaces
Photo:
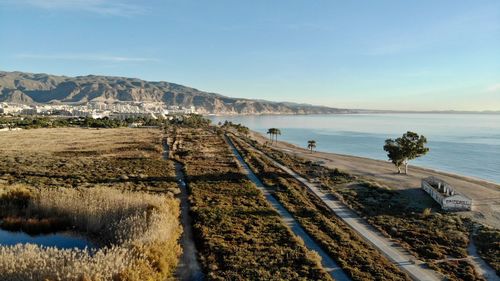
{"x":447,"y":173}
{"x":485,"y":194}
{"x":434,"y":170}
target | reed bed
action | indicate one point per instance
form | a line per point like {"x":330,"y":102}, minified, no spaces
{"x":139,"y":233}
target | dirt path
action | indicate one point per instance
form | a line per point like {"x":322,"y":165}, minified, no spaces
{"x":189,"y":268}
{"x":401,"y":258}
{"x":328,"y":263}
{"x":479,"y":264}
{"x":485,"y":195}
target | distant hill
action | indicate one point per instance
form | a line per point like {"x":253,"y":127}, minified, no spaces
{"x":29,"y":88}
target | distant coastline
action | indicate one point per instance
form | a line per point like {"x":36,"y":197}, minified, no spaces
{"x":370,"y":111}
{"x":359,"y":111}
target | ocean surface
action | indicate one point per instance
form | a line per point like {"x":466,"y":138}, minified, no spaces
{"x":466,"y":144}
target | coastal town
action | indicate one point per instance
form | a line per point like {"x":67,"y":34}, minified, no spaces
{"x":98,"y":110}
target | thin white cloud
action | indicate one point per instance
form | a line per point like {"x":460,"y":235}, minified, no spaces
{"x":495,"y":88}
{"x":85,"y":57}
{"x":103,"y":7}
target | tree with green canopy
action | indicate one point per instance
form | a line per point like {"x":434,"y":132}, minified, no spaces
{"x":403,"y":149}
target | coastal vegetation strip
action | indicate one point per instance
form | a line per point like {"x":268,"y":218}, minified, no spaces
{"x":239,"y":235}
{"x":356,"y":257}
{"x":436,"y":237}
{"x":328,"y":262}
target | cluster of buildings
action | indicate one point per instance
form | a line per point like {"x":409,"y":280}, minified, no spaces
{"x":96,"y":110}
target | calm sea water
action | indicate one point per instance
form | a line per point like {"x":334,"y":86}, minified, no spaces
{"x":467,"y":144}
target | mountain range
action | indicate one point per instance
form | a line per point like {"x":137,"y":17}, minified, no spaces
{"x":29,"y":88}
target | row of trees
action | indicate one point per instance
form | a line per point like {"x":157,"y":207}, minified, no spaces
{"x":33,"y":122}
{"x":273,"y":134}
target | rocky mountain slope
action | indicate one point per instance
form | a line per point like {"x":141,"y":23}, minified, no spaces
{"x":28,"y":88}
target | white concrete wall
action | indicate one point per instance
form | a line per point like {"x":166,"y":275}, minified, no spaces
{"x":457,"y":203}
{"x":452,"y":202}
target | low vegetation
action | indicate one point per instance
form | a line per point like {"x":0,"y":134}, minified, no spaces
{"x":123,"y":158}
{"x":438,"y":238}
{"x":358,"y":259}
{"x":138,"y":233}
{"x":488,"y":245}
{"x":239,"y":235}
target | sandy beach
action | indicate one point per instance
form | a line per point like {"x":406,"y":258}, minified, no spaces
{"x":485,"y":195}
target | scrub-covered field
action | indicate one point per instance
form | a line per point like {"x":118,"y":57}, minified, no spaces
{"x":238,"y":234}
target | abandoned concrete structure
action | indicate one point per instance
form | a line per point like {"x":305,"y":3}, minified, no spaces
{"x":445,"y":195}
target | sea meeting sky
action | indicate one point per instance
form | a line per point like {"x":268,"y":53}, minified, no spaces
{"x":379,"y":54}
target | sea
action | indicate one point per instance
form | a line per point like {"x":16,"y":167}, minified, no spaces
{"x":465,"y":144}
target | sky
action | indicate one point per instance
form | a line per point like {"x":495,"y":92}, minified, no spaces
{"x":384,"y":54}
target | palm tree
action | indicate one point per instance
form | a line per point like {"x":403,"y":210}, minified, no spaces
{"x":270,"y":132}
{"x":276,"y":133}
{"x":311,"y":144}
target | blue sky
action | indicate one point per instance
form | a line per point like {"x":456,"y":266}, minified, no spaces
{"x":384,"y":54}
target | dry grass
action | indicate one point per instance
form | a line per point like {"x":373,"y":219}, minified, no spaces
{"x":139,"y":232}
{"x":74,"y":157}
{"x":90,"y":178}
{"x":74,"y":139}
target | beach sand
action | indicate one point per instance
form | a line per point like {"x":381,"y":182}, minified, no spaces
{"x":485,"y":195}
